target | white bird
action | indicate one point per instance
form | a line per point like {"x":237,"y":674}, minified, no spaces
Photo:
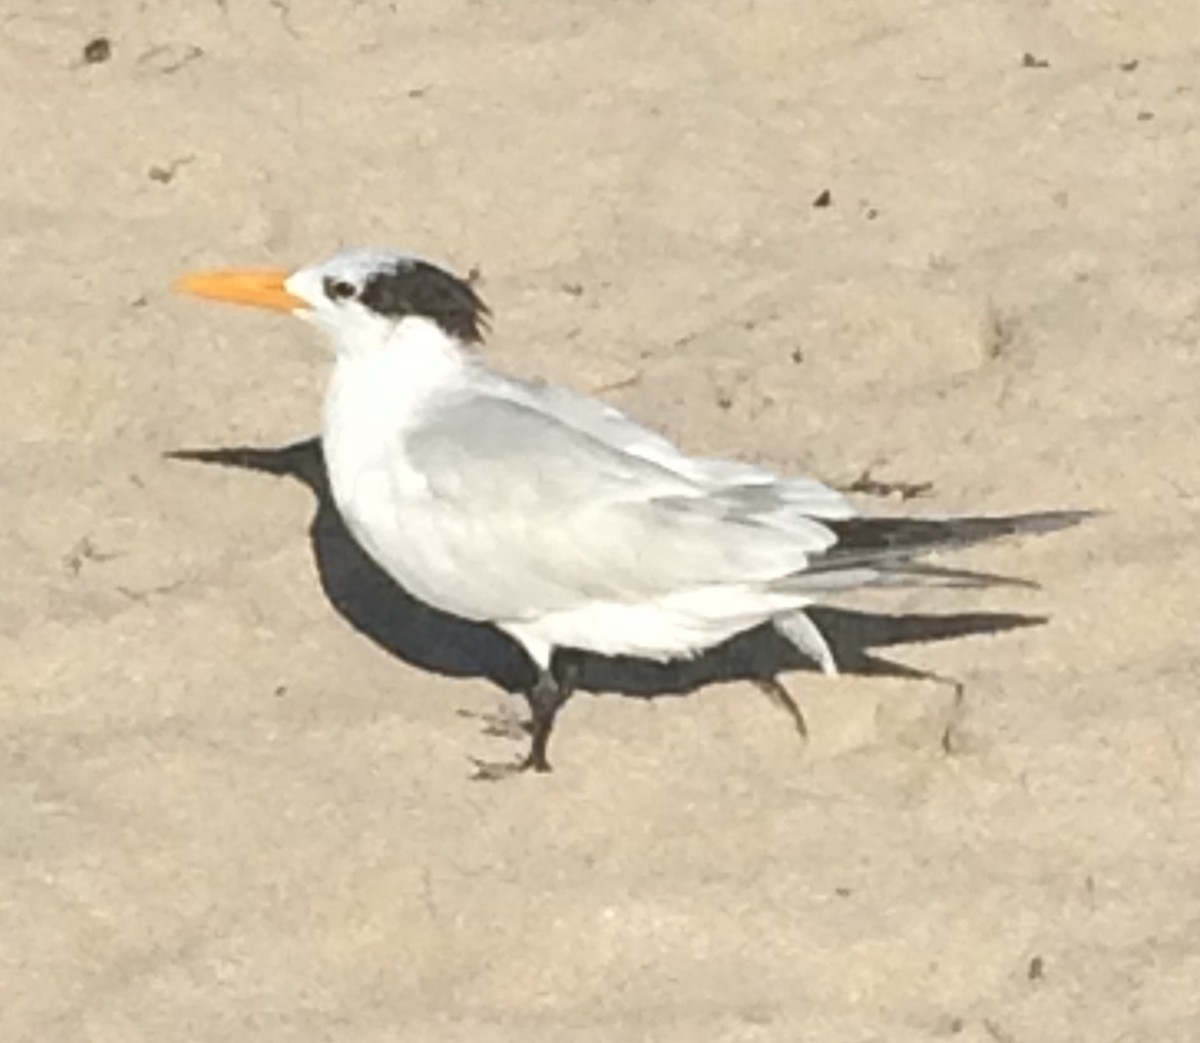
{"x":554,"y":516}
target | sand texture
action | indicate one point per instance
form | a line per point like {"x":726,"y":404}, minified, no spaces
{"x":235,"y":795}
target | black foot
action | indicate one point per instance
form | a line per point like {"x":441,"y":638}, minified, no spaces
{"x":535,"y":760}
{"x":782,"y":697}
{"x":491,"y":771}
{"x":548,"y":694}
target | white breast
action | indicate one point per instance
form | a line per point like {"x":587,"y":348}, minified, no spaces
{"x":376,"y":398}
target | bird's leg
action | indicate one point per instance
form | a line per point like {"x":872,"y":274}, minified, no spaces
{"x":546,"y":697}
{"x":782,"y":697}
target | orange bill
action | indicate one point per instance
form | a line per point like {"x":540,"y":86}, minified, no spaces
{"x":261,"y":288}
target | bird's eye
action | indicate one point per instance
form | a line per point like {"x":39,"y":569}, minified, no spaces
{"x":338,"y":289}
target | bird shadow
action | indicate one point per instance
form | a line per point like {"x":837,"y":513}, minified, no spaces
{"x":422,"y":636}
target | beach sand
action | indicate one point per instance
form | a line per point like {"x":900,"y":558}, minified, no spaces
{"x":226,"y":813}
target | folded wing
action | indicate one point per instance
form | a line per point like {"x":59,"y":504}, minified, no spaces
{"x":522,"y":509}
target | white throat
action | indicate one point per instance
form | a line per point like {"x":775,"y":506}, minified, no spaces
{"x":381,"y":389}
{"x":398,"y":372}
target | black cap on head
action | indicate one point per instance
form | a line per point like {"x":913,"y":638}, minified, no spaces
{"x":414,"y":287}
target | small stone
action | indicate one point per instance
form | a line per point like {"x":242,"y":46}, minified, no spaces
{"x":97,"y":51}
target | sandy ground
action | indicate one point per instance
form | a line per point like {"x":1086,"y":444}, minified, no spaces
{"x":226,"y":813}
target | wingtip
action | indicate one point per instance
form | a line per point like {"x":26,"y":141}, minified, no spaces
{"x":1053,"y":521}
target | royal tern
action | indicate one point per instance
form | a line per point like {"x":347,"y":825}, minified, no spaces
{"x":556,"y":517}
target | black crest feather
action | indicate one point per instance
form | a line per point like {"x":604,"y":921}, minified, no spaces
{"x":415,"y":287}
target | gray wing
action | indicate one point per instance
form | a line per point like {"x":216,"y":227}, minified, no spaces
{"x":524,"y":510}
{"x":606,"y":423}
